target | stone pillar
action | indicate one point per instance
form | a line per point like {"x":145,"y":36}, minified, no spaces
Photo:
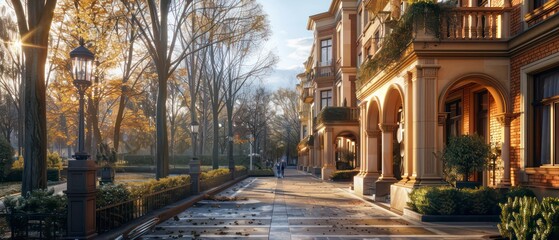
{"x":364,"y":183}
{"x":328,"y":163}
{"x":505,"y":120}
{"x":81,"y":192}
{"x":425,"y":120}
{"x":387,"y":177}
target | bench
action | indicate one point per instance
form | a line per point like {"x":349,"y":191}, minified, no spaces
{"x":139,"y":230}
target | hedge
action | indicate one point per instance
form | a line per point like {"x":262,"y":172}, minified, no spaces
{"x":261,"y":172}
{"x":445,"y":200}
{"x":139,"y":160}
{"x":341,"y":175}
{"x":16,"y":175}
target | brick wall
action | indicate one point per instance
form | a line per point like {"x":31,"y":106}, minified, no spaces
{"x":532,"y":54}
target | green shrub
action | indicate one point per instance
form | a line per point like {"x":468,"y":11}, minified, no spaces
{"x":467,"y":154}
{"x":479,"y":201}
{"x":110,"y":194}
{"x":344,"y":175}
{"x":16,"y":175}
{"x":153,"y":186}
{"x":54,"y":160}
{"x":261,"y":172}
{"x":443,"y":200}
{"x":517,"y":191}
{"x":214,"y":173}
{"x":37,"y":201}
{"x":6,"y":157}
{"x":18,"y":164}
{"x":526,"y":218}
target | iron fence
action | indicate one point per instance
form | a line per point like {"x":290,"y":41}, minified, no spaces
{"x":114,"y":216}
{"x":37,"y":225}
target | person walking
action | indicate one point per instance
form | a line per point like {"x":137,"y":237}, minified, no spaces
{"x":278,"y":169}
{"x":282,"y":168}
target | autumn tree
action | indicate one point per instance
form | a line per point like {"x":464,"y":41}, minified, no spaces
{"x":285,"y":123}
{"x":10,"y":76}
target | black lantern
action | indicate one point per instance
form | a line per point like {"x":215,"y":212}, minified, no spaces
{"x":82,"y":72}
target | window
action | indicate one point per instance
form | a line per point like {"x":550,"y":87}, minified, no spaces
{"x":546,"y":118}
{"x":339,"y":95}
{"x":359,"y":60}
{"x":482,"y":114}
{"x":304,"y":130}
{"x":326,"y":52}
{"x":454,"y":121}
{"x":325,"y":98}
{"x":359,"y":24}
{"x":377,"y":40}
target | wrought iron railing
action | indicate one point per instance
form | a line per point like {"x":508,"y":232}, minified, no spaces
{"x":37,"y":225}
{"x":336,"y":114}
{"x":113,"y":216}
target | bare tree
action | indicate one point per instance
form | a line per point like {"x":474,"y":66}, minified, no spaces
{"x":286,"y":123}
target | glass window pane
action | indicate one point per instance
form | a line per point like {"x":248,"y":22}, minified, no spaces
{"x":556,"y":133}
{"x":545,"y":135}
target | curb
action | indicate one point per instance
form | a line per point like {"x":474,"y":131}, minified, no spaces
{"x":168,"y":211}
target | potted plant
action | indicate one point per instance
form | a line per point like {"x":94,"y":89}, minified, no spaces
{"x":107,"y":156}
{"x":467,"y":154}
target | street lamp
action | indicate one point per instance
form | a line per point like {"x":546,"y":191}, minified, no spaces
{"x":81,"y":173}
{"x":82,"y":65}
{"x":194,"y":163}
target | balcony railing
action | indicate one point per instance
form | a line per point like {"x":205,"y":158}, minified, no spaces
{"x":475,"y":23}
{"x":324,"y":71}
{"x":308,"y":95}
{"x":337,"y":114}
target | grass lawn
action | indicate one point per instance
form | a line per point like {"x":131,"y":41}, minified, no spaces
{"x":9,"y":188}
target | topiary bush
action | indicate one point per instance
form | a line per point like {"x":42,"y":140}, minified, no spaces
{"x":342,"y":175}
{"x":110,"y":194}
{"x":479,"y":201}
{"x":54,"y":160}
{"x":467,"y":154}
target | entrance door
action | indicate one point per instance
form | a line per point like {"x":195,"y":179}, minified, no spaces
{"x":481,"y":121}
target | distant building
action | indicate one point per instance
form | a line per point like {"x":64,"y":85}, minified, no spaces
{"x":488,"y":67}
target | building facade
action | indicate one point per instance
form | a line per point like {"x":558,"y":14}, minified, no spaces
{"x":489,"y":68}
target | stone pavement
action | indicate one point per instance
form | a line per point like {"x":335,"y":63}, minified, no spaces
{"x":302,"y":207}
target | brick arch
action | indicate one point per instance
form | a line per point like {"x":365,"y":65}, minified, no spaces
{"x":493,"y":86}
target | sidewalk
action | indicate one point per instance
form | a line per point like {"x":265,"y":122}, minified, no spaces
{"x":302,"y":207}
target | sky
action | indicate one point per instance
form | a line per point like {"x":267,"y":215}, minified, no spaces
{"x":290,"y":40}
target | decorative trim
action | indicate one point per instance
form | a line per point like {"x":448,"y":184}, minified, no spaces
{"x":506,"y":118}
{"x":388,"y":127}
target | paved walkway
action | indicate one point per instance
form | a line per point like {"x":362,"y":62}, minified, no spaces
{"x":302,"y":207}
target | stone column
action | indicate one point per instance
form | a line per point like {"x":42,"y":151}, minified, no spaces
{"x":387,"y":177}
{"x":505,"y":120}
{"x":328,"y":163}
{"x":364,"y":183}
{"x":425,"y":123}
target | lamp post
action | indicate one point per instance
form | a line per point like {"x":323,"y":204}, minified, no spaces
{"x":250,"y":141}
{"x":194,"y":163}
{"x":81,"y":189}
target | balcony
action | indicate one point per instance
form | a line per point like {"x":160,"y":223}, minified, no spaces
{"x":303,"y":115}
{"x":324,"y":71}
{"x":337,"y":114}
{"x":308,"y":95}
{"x":475,"y":23}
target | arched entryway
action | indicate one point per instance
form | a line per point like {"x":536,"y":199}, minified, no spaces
{"x":346,"y":151}
{"x":478,"y":104}
{"x":392,"y":128}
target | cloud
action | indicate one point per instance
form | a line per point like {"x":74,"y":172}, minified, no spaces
{"x":298,"y":52}
{"x":282,"y":78}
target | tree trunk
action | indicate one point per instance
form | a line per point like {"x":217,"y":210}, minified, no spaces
{"x":34,"y":32}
